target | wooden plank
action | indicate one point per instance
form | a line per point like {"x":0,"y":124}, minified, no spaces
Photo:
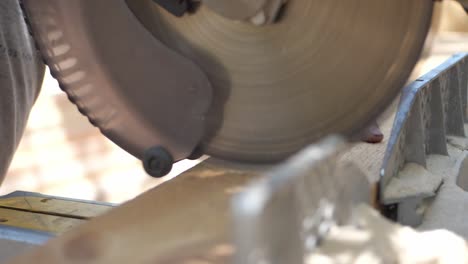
{"x":190,"y":212}
{"x":38,"y":222}
{"x":29,"y":202}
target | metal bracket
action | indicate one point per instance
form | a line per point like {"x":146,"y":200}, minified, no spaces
{"x":431,"y":109}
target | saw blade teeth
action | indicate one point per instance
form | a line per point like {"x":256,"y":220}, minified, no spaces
{"x":46,"y":62}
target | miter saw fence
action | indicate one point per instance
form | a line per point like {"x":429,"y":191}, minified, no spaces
{"x":178,"y":8}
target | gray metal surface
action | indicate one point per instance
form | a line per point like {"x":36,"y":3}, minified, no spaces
{"x":15,"y":241}
{"x":282,"y":217}
{"x":431,"y":108}
{"x":22,"y":235}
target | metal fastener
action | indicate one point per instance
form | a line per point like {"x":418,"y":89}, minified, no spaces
{"x":157,"y":162}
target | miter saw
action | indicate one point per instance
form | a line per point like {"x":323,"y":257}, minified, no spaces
{"x":247,"y":81}
{"x":244,"y":81}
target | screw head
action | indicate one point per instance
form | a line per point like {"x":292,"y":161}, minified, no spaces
{"x":157,"y":162}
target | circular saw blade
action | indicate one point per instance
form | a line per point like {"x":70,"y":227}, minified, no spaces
{"x":325,"y":67}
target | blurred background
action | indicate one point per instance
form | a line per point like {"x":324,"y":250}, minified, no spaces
{"x":62,"y":154}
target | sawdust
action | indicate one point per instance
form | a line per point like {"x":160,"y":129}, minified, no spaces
{"x":422,"y":182}
{"x":441,"y":238}
{"x":374,"y":239}
{"x":449,"y":208}
{"x":413,"y":181}
{"x":458,"y":142}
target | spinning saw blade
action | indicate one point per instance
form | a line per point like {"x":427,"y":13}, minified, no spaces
{"x":233,"y":89}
